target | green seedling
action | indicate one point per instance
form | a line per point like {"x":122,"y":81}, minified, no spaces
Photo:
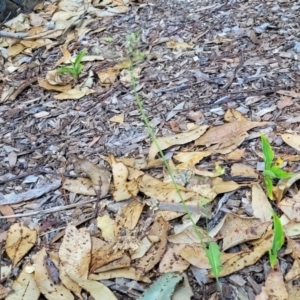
{"x":212,"y":252}
{"x":108,"y":39}
{"x":278,"y":240}
{"x":271,"y":170}
{"x":76,"y":67}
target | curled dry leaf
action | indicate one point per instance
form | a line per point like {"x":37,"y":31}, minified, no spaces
{"x":123,"y":262}
{"x":75,"y":257}
{"x":46,"y":286}
{"x":226,"y":132}
{"x":283,"y":185}
{"x":100,"y":177}
{"x":159,"y":229}
{"x":123,"y":189}
{"x":20,"y":239}
{"x":24,"y":287}
{"x":177,"y":139}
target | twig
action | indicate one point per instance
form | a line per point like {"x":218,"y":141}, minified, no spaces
{"x":54,"y":209}
{"x":14,"y":35}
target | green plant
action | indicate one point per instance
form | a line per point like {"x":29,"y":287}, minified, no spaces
{"x":212,"y":252}
{"x":271,"y":170}
{"x":76,"y":67}
{"x":278,"y":240}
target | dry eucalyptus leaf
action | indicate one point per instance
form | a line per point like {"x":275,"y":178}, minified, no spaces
{"x":129,"y":216}
{"x":178,"y":45}
{"x":243,"y":170}
{"x":161,"y":191}
{"x":176,"y":139}
{"x":106,"y":225}
{"x":261,"y":206}
{"x":159,"y":229}
{"x":233,"y":115}
{"x":172,"y":261}
{"x":274,"y":285}
{"x":292,"y":140}
{"x":96,"y":289}
{"x":123,"y":262}
{"x":81,"y":186}
{"x":130,"y":273}
{"x":245,"y":259}
{"x":46,"y":286}
{"x":189,"y":159}
{"x":24,"y":287}
{"x":77,"y":260}
{"x":20,"y":239}
{"x":220,"y":186}
{"x":226,"y":132}
{"x":123,"y":189}
{"x":100,"y":177}
{"x":291,"y":208}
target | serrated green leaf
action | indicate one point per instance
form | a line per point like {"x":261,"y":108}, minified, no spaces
{"x":279,"y":173}
{"x":278,"y":239}
{"x":213,"y":254}
{"x":267,"y":152}
{"x":163,"y":288}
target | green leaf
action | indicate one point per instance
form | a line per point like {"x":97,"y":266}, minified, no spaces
{"x":79,"y":57}
{"x":269,"y":173}
{"x":67,"y":70}
{"x":163,"y":288}
{"x":269,"y":186}
{"x":267,"y":152}
{"x":279,"y":173}
{"x":278,"y":240}
{"x":213,"y":254}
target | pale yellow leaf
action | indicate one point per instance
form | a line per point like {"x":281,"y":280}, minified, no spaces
{"x":20,"y":239}
{"x":106,"y":225}
{"x":261,"y":206}
{"x":177,"y":139}
{"x":292,"y":140}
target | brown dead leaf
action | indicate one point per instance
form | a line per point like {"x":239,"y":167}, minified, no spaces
{"x":82,"y":186}
{"x":46,"y":286}
{"x":123,"y":262}
{"x":292,"y":140}
{"x":189,"y":159}
{"x":20,"y":239}
{"x":118,"y":118}
{"x":261,"y":206}
{"x":293,"y":290}
{"x":73,"y":94}
{"x":6,"y":210}
{"x":129,"y":273}
{"x":236,"y":154}
{"x":172,"y":261}
{"x":96,"y":289}
{"x":283,"y":185}
{"x":177,"y":139}
{"x":233,"y":115}
{"x":220,"y":186}
{"x":284,"y":102}
{"x":24,"y":287}
{"x":243,"y":170}
{"x":100,"y":177}
{"x":50,"y":87}
{"x":106,"y":225}
{"x":178,"y":45}
{"x":159,"y":229}
{"x":188,"y":236}
{"x":196,"y":256}
{"x":5,"y":291}
{"x":77,"y":260}
{"x":226,"y":132}
{"x":274,"y":285}
{"x":123,"y":189}
{"x":128,"y":217}
{"x":245,"y":259}
{"x":291,"y":207}
{"x":161,"y":191}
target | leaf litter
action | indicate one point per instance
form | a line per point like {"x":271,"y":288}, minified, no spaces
{"x":79,"y":160}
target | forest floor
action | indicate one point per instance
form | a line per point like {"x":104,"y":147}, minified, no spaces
{"x":203,"y":65}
